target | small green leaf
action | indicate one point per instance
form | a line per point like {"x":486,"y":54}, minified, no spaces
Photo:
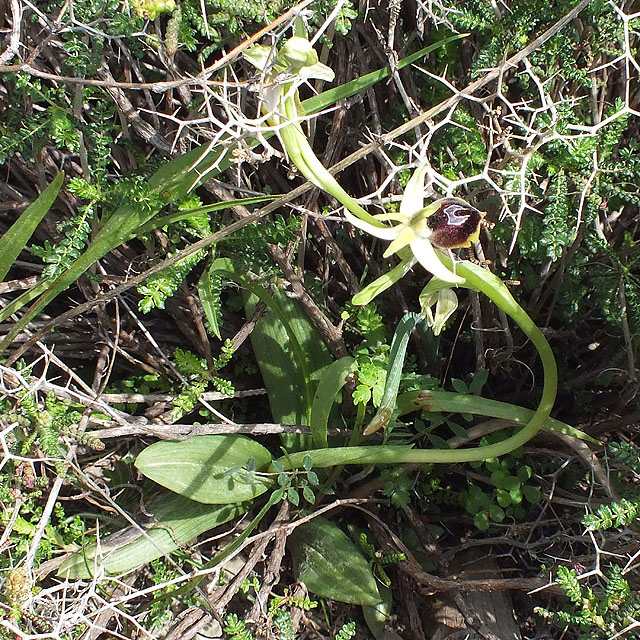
{"x":198,"y":468}
{"x":307,"y":463}
{"x":516,"y":495}
{"x":309,"y":495}
{"x":361,"y":394}
{"x":511,"y":483}
{"x":532,"y":494}
{"x":330,"y":565}
{"x":524,"y":473}
{"x":459,"y":386}
{"x":458,"y":430}
{"x":284,"y":480}
{"x":479,"y":380}
{"x":498,"y":479}
{"x":293,"y":497}
{"x":496,"y":513}
{"x":481,"y":520}
{"x":503,"y":498}
{"x":438,"y":442}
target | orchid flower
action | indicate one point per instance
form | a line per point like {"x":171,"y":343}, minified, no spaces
{"x":296,"y":63}
{"x":447,"y":224}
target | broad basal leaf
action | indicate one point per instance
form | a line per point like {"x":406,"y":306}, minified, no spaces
{"x":215,"y":469}
{"x":330,"y":565}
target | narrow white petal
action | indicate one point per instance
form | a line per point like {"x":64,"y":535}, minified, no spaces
{"x":413,"y":197}
{"x":385,"y":233}
{"x":428,"y":257}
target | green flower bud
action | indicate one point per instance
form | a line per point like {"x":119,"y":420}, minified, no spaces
{"x":445,"y":302}
{"x":297,"y":53}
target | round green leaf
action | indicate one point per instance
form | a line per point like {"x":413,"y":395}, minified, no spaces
{"x":511,"y":483}
{"x":498,"y":478}
{"x":207,"y":469}
{"x":524,"y":473}
{"x":481,"y":520}
{"x":516,"y":495}
{"x":496,"y":513}
{"x":503,"y":498}
{"x":532,"y":494}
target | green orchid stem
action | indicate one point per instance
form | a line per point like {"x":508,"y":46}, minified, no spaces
{"x":301,"y":154}
{"x":483,"y":281}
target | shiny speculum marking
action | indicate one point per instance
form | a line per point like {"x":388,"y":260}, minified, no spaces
{"x":455,"y":224}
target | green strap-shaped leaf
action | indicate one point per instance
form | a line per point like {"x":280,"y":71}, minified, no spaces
{"x":449,"y":402}
{"x":175,"y":521}
{"x":210,"y":300}
{"x":286,"y":345}
{"x":209,"y":469}
{"x":162,"y":221}
{"x":16,"y":238}
{"x":348,"y":89}
{"x":333,"y":379}
{"x":172,"y":181}
{"x":274,"y":498}
{"x":330,"y":565}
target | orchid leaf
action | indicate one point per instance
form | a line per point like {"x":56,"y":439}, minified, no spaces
{"x":333,"y":379}
{"x":394,"y":372}
{"x":175,"y":521}
{"x":330,"y":565}
{"x":214,"y":469}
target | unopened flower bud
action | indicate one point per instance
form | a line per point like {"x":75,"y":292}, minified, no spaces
{"x":297,"y":53}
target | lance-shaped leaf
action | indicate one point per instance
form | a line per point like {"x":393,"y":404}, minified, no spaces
{"x":175,"y":521}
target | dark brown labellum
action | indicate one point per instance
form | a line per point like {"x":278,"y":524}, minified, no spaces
{"x":455,"y":224}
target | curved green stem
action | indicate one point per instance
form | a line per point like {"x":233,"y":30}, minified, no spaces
{"x":302,"y":155}
{"x":483,"y":281}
